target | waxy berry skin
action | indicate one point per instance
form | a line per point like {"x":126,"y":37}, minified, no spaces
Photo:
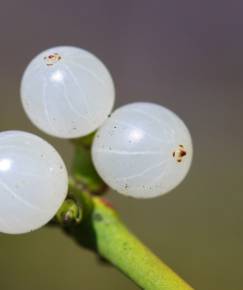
{"x":33,"y":182}
{"x":143,"y":150}
{"x":67,"y":92}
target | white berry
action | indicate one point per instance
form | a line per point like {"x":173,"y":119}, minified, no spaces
{"x":142,"y":150}
{"x":33,"y":182}
{"x":67,"y":92}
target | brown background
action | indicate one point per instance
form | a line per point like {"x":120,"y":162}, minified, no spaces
{"x":186,"y":55}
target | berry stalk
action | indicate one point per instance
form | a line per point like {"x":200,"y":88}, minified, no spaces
{"x":119,"y":246}
{"x":103,"y":232}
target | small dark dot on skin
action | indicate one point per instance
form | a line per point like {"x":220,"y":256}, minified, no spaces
{"x":109,"y":116}
{"x":183,"y":153}
{"x":98,"y":217}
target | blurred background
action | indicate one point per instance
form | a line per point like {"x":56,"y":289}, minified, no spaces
{"x":185,"y":55}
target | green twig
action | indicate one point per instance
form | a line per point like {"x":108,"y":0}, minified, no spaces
{"x":127,"y":253}
{"x":104,"y":233}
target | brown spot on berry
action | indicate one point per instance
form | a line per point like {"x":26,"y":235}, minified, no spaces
{"x":179,"y":153}
{"x":52,"y":59}
{"x":183,"y":153}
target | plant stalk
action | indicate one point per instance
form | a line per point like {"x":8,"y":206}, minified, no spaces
{"x":126,"y":252}
{"x":107,"y":236}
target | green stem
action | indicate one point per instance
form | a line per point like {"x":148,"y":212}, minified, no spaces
{"x":126,"y":252}
{"x":104,"y":232}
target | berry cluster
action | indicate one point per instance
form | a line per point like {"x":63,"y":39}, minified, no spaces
{"x":141,"y":149}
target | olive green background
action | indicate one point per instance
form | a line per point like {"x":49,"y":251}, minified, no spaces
{"x":185,"y":55}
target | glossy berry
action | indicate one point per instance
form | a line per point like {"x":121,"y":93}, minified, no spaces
{"x":33,"y":182}
{"x":142,"y":150}
{"x":67,"y":92}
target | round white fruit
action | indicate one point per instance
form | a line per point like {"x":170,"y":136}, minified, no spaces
{"x":142,"y":150}
{"x":33,"y":182}
{"x":67,"y":92}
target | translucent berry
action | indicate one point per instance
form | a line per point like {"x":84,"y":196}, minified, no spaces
{"x":67,"y":92}
{"x":142,"y":150}
{"x":33,"y":182}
